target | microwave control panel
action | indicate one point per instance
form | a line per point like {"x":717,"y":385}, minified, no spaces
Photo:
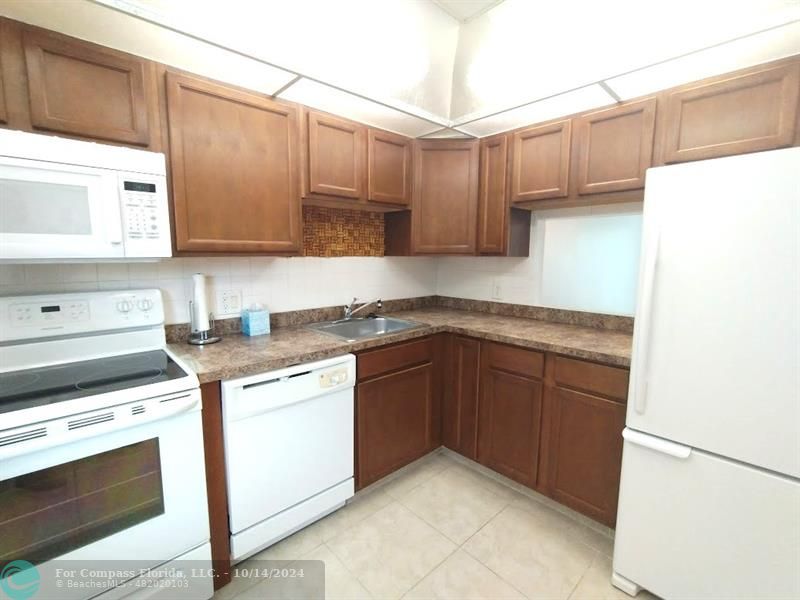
{"x":141,"y":210}
{"x":145,"y":216}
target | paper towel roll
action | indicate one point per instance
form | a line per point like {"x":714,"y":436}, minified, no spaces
{"x":199,"y":304}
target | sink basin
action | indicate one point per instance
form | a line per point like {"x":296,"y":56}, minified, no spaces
{"x":358,"y":329}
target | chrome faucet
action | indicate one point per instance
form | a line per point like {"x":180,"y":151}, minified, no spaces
{"x":349,"y":311}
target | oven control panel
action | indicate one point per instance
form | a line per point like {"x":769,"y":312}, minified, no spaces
{"x":37,"y":313}
{"x":45,"y":315}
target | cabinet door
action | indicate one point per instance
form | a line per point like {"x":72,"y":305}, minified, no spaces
{"x":586,"y":453}
{"x":394,"y":414}
{"x":3,"y":110}
{"x":389,"y":167}
{"x":493,"y":195}
{"x":615,"y":147}
{"x":460,"y":425}
{"x":510,"y":422}
{"x":85,"y":90}
{"x":541,"y":162}
{"x":445,"y":197}
{"x":235,"y":179}
{"x":748,"y":113}
{"x":336,"y":156}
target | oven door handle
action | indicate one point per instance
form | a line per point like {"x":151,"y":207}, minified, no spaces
{"x":43,"y":436}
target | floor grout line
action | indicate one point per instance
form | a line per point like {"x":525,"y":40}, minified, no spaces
{"x":503,"y":579}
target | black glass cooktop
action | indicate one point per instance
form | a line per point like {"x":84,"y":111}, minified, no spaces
{"x":47,"y":385}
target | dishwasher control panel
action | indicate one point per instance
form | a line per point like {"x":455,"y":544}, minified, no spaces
{"x":333,"y":377}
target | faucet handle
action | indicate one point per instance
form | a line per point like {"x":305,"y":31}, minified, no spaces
{"x":379,"y":303}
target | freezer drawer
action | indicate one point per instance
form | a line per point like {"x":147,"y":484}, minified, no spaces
{"x":694,"y":525}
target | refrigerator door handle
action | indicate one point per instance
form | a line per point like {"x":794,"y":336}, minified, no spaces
{"x":657,"y":444}
{"x":639,"y":383}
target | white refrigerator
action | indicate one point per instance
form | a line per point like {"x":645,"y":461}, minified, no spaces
{"x":709,"y":503}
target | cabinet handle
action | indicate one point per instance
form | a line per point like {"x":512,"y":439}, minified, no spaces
{"x":641,"y":348}
{"x":653,"y":443}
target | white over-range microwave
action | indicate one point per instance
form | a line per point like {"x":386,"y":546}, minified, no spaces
{"x":69,"y":199}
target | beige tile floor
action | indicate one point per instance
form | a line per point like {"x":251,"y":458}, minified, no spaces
{"x":443,"y":529}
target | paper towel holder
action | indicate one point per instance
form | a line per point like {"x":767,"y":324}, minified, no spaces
{"x":203,"y":337}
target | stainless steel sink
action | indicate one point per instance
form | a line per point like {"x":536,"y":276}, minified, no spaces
{"x":353,"y":330}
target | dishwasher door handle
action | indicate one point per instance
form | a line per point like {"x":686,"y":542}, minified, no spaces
{"x":239,"y":406}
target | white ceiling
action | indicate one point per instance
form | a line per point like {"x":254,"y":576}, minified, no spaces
{"x":439,"y":67}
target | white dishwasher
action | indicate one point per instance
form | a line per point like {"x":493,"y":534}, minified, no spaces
{"x":288,"y":449}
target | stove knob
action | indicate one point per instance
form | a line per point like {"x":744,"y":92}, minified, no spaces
{"x":145,"y":304}
{"x":124,"y":306}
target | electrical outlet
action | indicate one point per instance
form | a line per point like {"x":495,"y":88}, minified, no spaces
{"x":229,"y":302}
{"x":496,"y":291}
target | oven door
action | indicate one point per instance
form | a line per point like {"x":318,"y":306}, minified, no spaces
{"x":50,"y":210}
{"x":137,"y":493}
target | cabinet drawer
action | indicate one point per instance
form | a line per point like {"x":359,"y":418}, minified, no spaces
{"x":384,"y":360}
{"x":528,"y":363}
{"x":608,"y":381}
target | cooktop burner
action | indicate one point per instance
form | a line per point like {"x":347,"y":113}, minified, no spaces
{"x":47,"y":385}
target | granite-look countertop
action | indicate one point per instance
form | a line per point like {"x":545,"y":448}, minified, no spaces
{"x":238,"y":355}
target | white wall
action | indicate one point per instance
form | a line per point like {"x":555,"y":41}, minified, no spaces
{"x":279,"y":283}
{"x":581,"y":259}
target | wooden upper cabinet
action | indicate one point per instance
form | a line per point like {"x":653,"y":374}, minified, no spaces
{"x":336,"y":156}
{"x":748,"y":113}
{"x":502,"y":230}
{"x":235,"y":176}
{"x":3,"y":110}
{"x":389,"y":167}
{"x":493,"y":195}
{"x":445,"y":197}
{"x":86,"y":90}
{"x":615,"y":147}
{"x":541,"y":162}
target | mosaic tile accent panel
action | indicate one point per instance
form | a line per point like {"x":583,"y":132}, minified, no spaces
{"x":341,"y":232}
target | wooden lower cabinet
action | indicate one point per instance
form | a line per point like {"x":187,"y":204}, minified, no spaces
{"x":586,"y":452}
{"x":510,"y":412}
{"x":397,"y":417}
{"x":460,"y":400}
{"x":550,"y":422}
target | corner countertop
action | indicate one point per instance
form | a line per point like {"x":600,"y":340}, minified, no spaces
{"x":238,"y":355}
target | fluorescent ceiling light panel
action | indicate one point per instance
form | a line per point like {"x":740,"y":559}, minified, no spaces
{"x":523,"y":49}
{"x":397,"y":52}
{"x":323,"y":97}
{"x":586,"y":98}
{"x":755,"y":49}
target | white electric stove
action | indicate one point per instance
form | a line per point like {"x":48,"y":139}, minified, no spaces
{"x":101,"y":447}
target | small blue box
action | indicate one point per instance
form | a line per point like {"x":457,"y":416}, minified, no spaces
{"x":255,"y":321}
